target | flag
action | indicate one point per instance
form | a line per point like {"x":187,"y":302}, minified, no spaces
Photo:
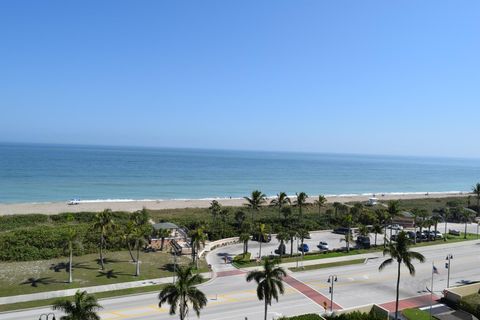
{"x":435,"y":270}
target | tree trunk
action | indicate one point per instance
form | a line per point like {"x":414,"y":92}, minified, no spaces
{"x":260,"y":251}
{"x":415,"y":233}
{"x":266,"y":308}
{"x":70,"y":277}
{"x":291,"y":247}
{"x":101,"y":252}
{"x":398,"y":292}
{"x":137,"y":269}
{"x":465,"y":234}
{"x":445,"y":235}
{"x":162,"y":243}
{"x":375,"y":239}
{"x":385,"y":237}
{"x":130,"y":251}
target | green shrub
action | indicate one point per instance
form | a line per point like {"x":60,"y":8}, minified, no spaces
{"x":310,"y":316}
{"x":355,"y":316}
{"x":242,"y":257}
{"x":20,"y":221}
{"x":471,"y":304}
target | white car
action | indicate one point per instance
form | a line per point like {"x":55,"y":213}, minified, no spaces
{"x":73,"y":202}
{"x":322,"y":245}
{"x":395,"y":227}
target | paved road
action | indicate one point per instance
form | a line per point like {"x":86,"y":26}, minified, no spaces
{"x":231,"y":297}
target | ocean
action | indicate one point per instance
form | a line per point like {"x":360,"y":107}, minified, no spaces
{"x":44,"y":173}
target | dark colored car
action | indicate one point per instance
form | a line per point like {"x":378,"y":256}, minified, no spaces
{"x":363,"y":242}
{"x":303,"y":248}
{"x":267,"y":239}
{"x":342,"y":230}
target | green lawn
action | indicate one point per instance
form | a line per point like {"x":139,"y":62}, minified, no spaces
{"x":416,"y":314}
{"x":48,"y":275}
{"x":328,"y":265}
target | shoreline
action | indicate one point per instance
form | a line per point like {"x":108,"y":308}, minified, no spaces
{"x":129,"y":205}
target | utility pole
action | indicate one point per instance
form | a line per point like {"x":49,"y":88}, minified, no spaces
{"x":448,"y":266}
{"x":331,"y":279}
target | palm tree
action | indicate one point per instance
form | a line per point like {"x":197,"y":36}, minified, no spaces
{"x":262,"y":234}
{"x":436,"y":218}
{"x":382,"y":217}
{"x":476,"y":190}
{"x":182,"y":292}
{"x":347,"y":239}
{"x":466,"y":215}
{"x":281,"y":201}
{"x":198,"y":238}
{"x":377,"y":229}
{"x":127,"y":233}
{"x":303,"y":234}
{"x":320,"y":203}
{"x":291,"y":236}
{"x":103,"y":223}
{"x":445,"y":212}
{"x":162,"y":234}
{"x":399,"y":252}
{"x":223,"y":216}
{"x":270,"y":282}
{"x":140,"y":235}
{"x":300,"y":202}
{"x":255,"y":201}
{"x":72,"y":240}
{"x":393,"y":211}
{"x":83,"y":307}
{"x":282,"y":236}
{"x":244,"y":237}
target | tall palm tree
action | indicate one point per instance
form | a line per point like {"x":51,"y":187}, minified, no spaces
{"x":393,"y":211}
{"x":270,"y":282}
{"x":476,"y":190}
{"x":282,"y":200}
{"x":303,"y":234}
{"x":255,"y":201}
{"x":382,"y":217}
{"x":348,"y":220}
{"x":126,"y":235}
{"x":244,"y":237}
{"x":291,"y":236}
{"x":347,"y":238}
{"x":436,"y":218}
{"x":466,"y":215}
{"x":184,"y":291}
{"x":215,"y":209}
{"x":198,"y":238}
{"x":103,"y":223}
{"x":377,"y":229}
{"x":83,"y":307}
{"x":223,"y":216}
{"x":73,"y":241}
{"x":140,"y":236}
{"x":320,"y":203}
{"x":162,"y":234}
{"x":262,"y":234}
{"x":445,"y":212}
{"x":300,"y":202}
{"x":399,"y":252}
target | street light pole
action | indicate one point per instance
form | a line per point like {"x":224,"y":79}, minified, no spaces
{"x":448,"y":265}
{"x":331,"y":279}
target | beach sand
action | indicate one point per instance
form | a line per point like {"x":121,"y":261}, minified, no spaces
{"x":130,"y":206}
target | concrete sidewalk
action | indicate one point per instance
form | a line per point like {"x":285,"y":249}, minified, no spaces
{"x":95,"y":289}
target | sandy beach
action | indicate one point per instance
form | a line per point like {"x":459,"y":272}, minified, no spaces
{"x":130,"y":206}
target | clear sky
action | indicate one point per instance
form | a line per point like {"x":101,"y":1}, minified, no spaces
{"x":386,"y":77}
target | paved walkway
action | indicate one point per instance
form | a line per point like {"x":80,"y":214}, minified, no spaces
{"x":414,"y":302}
{"x":309,"y":292}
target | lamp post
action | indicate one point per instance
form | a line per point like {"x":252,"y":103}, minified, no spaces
{"x":47,"y":316}
{"x":331,"y":279}
{"x":448,"y":266}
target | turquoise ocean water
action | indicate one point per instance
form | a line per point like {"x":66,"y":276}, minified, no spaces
{"x":40,"y":173}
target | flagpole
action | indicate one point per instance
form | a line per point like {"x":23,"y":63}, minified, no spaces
{"x":431,"y":290}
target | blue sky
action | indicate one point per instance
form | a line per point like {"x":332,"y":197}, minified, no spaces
{"x":386,"y":77}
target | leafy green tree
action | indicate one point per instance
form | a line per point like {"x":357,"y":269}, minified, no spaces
{"x":269,"y":282}
{"x":215,"y":209}
{"x":400,"y":253}
{"x":476,"y":191}
{"x":183,"y":292}
{"x":103,"y":223}
{"x":281,"y":201}
{"x":244,"y":237}
{"x":240,"y":218}
{"x":83,"y":307}
{"x":223,"y":217}
{"x":255,"y":201}
{"x":300,"y":202}
{"x":72,"y":241}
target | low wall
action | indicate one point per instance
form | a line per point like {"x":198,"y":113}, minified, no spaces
{"x":218,"y":243}
{"x":379,"y":311}
{"x":454,"y":295}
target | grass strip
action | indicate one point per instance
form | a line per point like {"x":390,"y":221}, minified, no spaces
{"x":328,"y":265}
{"x":415,"y":314}
{"x":99,"y":295}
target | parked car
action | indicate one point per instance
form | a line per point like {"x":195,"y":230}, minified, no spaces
{"x":438,"y":234}
{"x":267,"y":239}
{"x":342,"y":230}
{"x":303,"y":248}
{"x":411,"y":235}
{"x":281,"y":249}
{"x":322,"y":245}
{"x":454,"y":232}
{"x":395,"y":227}
{"x":363,"y":242}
